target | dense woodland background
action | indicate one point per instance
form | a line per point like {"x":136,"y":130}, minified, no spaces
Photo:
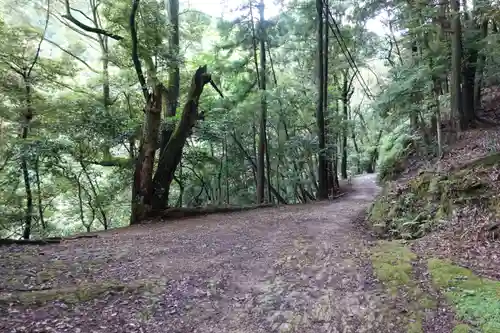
{"x":285,"y":106}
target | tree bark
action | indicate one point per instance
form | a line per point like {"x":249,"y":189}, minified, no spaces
{"x":38,"y":182}
{"x":480,"y":68}
{"x":469,"y":67}
{"x":261,"y":172}
{"x":330,"y":178}
{"x":173,"y":87}
{"x":345,"y":127}
{"x":456,"y":64}
{"x":143,"y":196}
{"x":320,"y":116}
{"x":27,"y":116}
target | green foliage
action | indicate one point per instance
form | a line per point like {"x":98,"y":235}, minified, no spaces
{"x":395,"y":148}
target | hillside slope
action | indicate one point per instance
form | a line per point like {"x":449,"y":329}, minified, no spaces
{"x":441,"y":222}
{"x":452,"y":205}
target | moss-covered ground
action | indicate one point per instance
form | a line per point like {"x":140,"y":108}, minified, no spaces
{"x":77,"y":294}
{"x":393,"y":265}
{"x":475,"y":300}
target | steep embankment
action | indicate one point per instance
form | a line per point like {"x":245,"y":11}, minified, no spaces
{"x":446,"y":212}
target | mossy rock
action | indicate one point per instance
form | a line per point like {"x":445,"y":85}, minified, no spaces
{"x":428,"y":199}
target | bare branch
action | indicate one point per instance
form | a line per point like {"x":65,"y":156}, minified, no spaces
{"x":37,"y":54}
{"x":78,"y":31}
{"x":83,"y":14}
{"x":212,"y":83}
{"x":85,"y":27}
{"x":71,"y":54}
{"x":374,"y":74}
{"x":114,"y":162}
{"x":14,"y":68}
{"x":67,"y":86}
{"x":135,"y":54}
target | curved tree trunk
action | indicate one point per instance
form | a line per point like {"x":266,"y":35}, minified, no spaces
{"x":173,"y":151}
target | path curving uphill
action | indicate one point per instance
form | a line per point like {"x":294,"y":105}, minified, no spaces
{"x":289,"y":269}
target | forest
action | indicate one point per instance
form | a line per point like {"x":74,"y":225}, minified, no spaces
{"x":116,"y":111}
{"x":112,"y":111}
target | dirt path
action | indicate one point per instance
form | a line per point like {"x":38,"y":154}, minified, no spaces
{"x":289,"y":269}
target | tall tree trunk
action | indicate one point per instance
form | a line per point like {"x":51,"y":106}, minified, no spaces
{"x":442,"y":38}
{"x":254,"y":129}
{"x":456,"y":67}
{"x":145,"y":192}
{"x":355,"y":144}
{"x":80,"y":207}
{"x":480,"y":67}
{"x":336,"y":142}
{"x":320,"y":116}
{"x":39,"y":193}
{"x":415,"y":98}
{"x":345,"y":127}
{"x":330,"y":178}
{"x":469,"y":67}
{"x":261,"y":172}
{"x":170,"y":100}
{"x":27,"y":116}
{"x":268,"y":171}
{"x":438,"y":122}
{"x":254,"y":151}
{"x":173,"y":75}
{"x":226,"y":159}
{"x":95,"y":193}
{"x":180,"y":199}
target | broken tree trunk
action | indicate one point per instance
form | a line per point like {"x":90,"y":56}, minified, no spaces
{"x":172,"y":154}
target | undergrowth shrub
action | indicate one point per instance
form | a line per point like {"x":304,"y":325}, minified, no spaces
{"x":395,"y":148}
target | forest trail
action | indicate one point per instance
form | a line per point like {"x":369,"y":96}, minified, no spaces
{"x":297,"y":268}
